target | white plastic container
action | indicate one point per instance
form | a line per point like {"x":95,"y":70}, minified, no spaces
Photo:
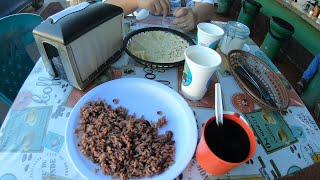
{"x":208,"y":34}
{"x":200,"y":65}
{"x":234,"y":37}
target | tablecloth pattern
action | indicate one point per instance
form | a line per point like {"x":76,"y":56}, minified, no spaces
{"x":32,"y":144}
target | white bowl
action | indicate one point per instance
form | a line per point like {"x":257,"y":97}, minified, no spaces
{"x":143,"y":97}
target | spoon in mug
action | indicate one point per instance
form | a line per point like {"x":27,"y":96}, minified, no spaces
{"x":218,"y":105}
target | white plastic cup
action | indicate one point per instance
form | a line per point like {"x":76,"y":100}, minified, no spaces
{"x":208,"y":34}
{"x":200,"y":65}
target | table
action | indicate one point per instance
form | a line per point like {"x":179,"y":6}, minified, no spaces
{"x":32,"y":142}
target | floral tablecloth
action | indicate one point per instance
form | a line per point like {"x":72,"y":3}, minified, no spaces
{"x":32,"y":144}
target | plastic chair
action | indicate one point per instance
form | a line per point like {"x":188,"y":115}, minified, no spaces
{"x":15,"y":63}
{"x":5,"y":104}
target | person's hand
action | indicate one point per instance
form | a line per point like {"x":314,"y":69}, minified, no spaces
{"x":186,"y":19}
{"x":155,"y":6}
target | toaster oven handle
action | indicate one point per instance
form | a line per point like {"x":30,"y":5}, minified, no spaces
{"x":54,"y":18}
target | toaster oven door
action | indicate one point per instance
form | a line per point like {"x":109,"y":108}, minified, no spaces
{"x":55,"y":60}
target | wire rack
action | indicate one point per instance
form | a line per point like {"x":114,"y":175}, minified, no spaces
{"x":265,"y":76}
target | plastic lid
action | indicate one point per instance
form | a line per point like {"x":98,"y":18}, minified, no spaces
{"x":238,"y":28}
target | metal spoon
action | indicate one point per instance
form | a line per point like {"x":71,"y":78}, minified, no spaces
{"x":218,"y":105}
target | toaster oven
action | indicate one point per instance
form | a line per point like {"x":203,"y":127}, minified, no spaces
{"x":79,"y":42}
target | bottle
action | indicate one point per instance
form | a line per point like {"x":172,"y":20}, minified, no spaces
{"x":315,"y":11}
{"x":234,"y":37}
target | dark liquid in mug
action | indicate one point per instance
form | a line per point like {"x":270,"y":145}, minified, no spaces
{"x":230,"y":142}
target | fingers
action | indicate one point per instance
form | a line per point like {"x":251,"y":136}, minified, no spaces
{"x":178,"y":21}
{"x":158,"y":8}
{"x":165,"y":7}
{"x":181,"y":16}
{"x":182,"y":25}
{"x":152,"y":9}
{"x":181,"y":12}
{"x":187,"y":26}
{"x":185,"y":19}
{"x":168,"y":5}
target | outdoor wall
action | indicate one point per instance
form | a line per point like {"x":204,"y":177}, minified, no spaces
{"x":305,"y":33}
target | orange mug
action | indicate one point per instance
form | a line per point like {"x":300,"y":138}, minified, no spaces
{"x":218,"y":163}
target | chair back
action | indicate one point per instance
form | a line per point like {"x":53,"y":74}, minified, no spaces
{"x":15,"y":62}
{"x":5,"y":104}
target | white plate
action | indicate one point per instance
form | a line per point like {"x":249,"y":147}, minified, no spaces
{"x":143,"y":97}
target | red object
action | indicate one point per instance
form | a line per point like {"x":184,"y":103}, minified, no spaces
{"x":211,"y":163}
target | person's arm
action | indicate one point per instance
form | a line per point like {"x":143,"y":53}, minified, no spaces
{"x":203,"y":11}
{"x":155,"y":6}
{"x":128,"y":6}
